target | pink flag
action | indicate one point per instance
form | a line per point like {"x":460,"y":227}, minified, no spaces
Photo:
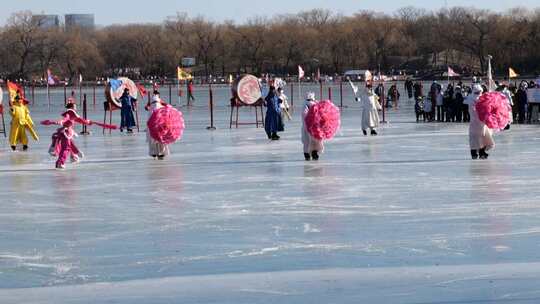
{"x":300,"y":72}
{"x":451,"y":73}
{"x":50,"y":78}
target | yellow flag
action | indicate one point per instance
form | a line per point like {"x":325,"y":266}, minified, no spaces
{"x":512,"y":73}
{"x":182,"y":75}
{"x":230,"y":79}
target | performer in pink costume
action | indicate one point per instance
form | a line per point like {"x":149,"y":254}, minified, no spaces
{"x":69,"y":115}
{"x":62,"y":144}
{"x":64,"y":141}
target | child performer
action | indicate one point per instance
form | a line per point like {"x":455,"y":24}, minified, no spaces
{"x":312,"y":146}
{"x":20,"y":123}
{"x":370,"y":112}
{"x":155,"y":148}
{"x":63,"y":138}
{"x":69,"y":115}
{"x":62,"y":144}
{"x":480,"y":136}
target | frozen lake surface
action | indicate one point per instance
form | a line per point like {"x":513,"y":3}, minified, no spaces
{"x":230,"y":217}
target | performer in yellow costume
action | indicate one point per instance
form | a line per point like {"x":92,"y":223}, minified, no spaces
{"x":21,"y":121}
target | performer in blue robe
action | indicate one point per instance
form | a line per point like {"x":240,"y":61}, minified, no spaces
{"x":126,"y":112}
{"x":273,"y":122}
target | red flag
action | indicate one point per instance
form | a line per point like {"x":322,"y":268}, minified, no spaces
{"x":142,"y":90}
{"x":319,"y":74}
{"x":155,"y":86}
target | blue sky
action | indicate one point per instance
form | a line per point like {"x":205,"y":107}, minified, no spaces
{"x":111,"y":11}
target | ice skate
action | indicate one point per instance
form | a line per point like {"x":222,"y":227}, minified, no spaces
{"x":483,"y":154}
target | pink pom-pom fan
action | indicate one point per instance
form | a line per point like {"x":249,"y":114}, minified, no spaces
{"x":323,"y":120}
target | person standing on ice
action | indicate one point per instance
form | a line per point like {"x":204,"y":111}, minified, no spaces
{"x":418,"y":91}
{"x":434,"y":94}
{"x":284,"y":105}
{"x":312,"y":146}
{"x":393,"y":97}
{"x":480,"y":136}
{"x":370,"y":112}
{"x":409,"y":88}
{"x":64,"y":139}
{"x":55,"y":147}
{"x":521,"y":100}
{"x":190,"y":96}
{"x":458,"y":104}
{"x":273,"y":123}
{"x":504,"y":89}
{"x":126,"y":112}
{"x":155,"y":148}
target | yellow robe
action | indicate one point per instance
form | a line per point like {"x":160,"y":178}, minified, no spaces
{"x":21,"y":121}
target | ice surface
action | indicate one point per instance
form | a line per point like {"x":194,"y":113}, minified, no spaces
{"x":231,"y":217}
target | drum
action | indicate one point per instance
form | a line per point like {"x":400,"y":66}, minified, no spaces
{"x":115,"y":89}
{"x":247,"y":89}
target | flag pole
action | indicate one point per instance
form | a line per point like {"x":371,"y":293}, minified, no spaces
{"x":48,"y":94}
{"x":80,"y":90}
{"x":299,"y":90}
{"x":490,"y":74}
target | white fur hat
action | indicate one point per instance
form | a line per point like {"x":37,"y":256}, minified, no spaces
{"x":310,"y":96}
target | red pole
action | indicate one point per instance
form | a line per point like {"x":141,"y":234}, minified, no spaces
{"x":383,"y":104}
{"x":292,"y":96}
{"x":148,"y":95}
{"x":80,"y":92}
{"x":211,"y":101}
{"x":341,"y":93}
{"x":330,"y":93}
{"x":85,"y":116}
{"x":33,"y":95}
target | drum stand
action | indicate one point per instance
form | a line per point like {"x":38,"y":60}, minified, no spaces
{"x":236,"y":105}
{"x":108,"y":108}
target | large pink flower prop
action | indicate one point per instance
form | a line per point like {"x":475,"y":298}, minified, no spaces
{"x":166,"y":125}
{"x":494,"y":110}
{"x":323,"y":120}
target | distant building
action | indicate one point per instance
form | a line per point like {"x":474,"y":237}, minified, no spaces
{"x":46,"y":21}
{"x":79,"y":21}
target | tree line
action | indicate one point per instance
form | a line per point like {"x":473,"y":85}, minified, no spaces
{"x":411,"y":39}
